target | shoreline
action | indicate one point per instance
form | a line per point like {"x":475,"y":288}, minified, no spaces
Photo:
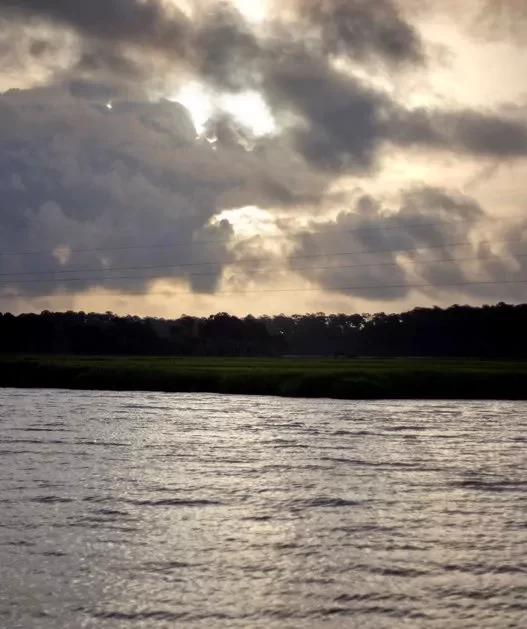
{"x":354,"y":379}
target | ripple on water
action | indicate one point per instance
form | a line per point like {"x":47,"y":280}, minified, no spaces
{"x":146,"y":510}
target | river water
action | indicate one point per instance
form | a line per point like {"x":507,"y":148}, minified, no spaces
{"x":146,"y":510}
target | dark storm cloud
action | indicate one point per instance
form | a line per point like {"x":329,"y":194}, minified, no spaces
{"x":341,"y":123}
{"x":359,"y":28}
{"x":344,"y":122}
{"x":463,"y":131}
{"x":228,"y":53}
{"x":77,"y":175}
{"x":407,"y":247}
{"x":362,"y":28}
{"x":132,"y":44}
{"x":151,"y":23}
{"x":217,"y":43}
{"x":105,"y":59}
{"x":234,"y":56}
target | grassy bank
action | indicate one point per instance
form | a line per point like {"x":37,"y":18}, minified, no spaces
{"x":346,"y":379}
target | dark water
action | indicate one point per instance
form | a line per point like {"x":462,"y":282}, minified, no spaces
{"x":200,"y":511}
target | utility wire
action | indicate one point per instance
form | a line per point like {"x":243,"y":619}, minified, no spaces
{"x":168,"y":293}
{"x":258,"y":260}
{"x":30,"y":252}
{"x":294,"y":269}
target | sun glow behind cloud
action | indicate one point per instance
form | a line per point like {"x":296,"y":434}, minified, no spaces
{"x":249,"y":221}
{"x":324,"y":155}
{"x":199,"y":103}
{"x":249,"y":109}
{"x":254,"y":10}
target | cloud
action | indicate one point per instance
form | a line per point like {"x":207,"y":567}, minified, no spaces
{"x":344,"y":123}
{"x":334,"y":120}
{"x":361,"y":29}
{"x":149,"y":23}
{"x":30,"y":51}
{"x":402,"y":248}
{"x":503,"y":18}
{"x":75,"y":174}
{"x":462,"y":131}
{"x":216,"y":42}
{"x":227,"y":51}
{"x":490,"y":20}
{"x":358,"y":28}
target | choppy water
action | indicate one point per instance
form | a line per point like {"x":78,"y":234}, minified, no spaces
{"x":199,"y":511}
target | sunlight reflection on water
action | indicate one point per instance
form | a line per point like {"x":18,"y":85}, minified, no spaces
{"x":152,"y":510}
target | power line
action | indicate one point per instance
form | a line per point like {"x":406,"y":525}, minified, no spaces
{"x":258,"y":260}
{"x":294,"y":269}
{"x":30,"y":252}
{"x":298,"y":290}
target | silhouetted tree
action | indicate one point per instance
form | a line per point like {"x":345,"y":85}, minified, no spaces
{"x":458,"y":331}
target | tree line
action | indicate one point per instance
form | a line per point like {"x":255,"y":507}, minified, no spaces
{"x":498,"y":331}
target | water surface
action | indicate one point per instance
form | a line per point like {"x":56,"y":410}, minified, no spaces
{"x":147,"y":510}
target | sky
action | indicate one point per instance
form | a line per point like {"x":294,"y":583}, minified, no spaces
{"x":164,"y":157}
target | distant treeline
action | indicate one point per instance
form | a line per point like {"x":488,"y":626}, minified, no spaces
{"x":459,"y":331}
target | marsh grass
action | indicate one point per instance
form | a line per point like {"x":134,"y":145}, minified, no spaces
{"x":346,"y":379}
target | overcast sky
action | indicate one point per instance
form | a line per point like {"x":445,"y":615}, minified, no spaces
{"x":161,"y":157}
